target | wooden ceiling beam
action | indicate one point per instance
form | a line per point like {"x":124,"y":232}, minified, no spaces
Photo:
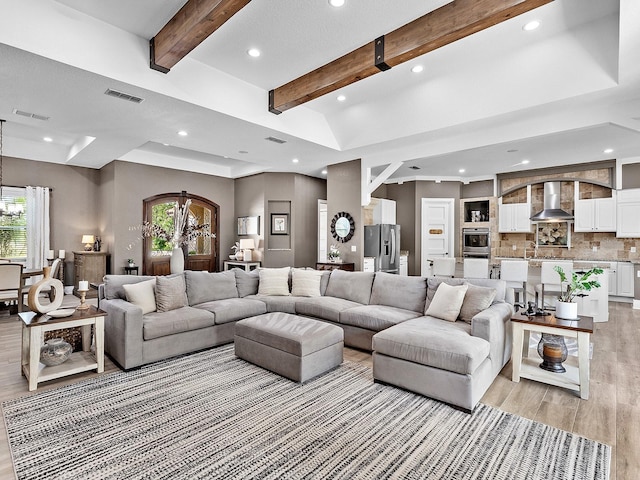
{"x":195,"y":21}
{"x":440,"y":27}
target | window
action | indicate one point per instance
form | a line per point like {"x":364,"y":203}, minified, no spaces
{"x":13,"y":224}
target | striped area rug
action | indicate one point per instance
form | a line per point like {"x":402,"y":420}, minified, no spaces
{"x":212,"y":416}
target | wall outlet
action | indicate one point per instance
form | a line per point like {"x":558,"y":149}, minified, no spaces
{"x":514,"y":247}
{"x":594,"y":248}
{"x":353,"y":248}
{"x":632,"y":249}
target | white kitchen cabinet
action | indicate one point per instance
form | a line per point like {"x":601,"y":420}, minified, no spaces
{"x":628,"y":219}
{"x":595,"y":215}
{"x":369,"y":264}
{"x":596,"y":302}
{"x":514,"y":217}
{"x":624,"y":279}
{"x":613,"y":278}
{"x":384,"y":212}
{"x":404,"y":265}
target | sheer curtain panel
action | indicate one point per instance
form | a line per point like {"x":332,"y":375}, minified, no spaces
{"x":37,"y":226}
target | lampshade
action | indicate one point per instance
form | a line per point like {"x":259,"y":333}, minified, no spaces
{"x":88,"y":239}
{"x":247,"y":244}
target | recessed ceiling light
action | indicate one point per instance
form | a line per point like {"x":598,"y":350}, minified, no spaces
{"x":341,"y":98}
{"x":48,"y":139}
{"x":166,"y":144}
{"x":461,"y":170}
{"x":324,"y":172}
{"x":182,"y":133}
{"x":253,"y":52}
{"x":336,"y":3}
{"x":417,"y":69}
{"x":525,"y":161}
{"x":295,"y":160}
{"x":608,"y":150}
{"x":532,"y":25}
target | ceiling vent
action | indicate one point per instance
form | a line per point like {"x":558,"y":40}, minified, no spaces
{"x":414,"y":167}
{"x":30,"y":115}
{"x":276,"y":140}
{"x":123,"y":96}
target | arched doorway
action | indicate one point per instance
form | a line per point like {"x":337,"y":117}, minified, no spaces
{"x":200,"y":254}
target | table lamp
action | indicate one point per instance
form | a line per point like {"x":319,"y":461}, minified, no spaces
{"x":246,"y":245}
{"x":88,"y":242}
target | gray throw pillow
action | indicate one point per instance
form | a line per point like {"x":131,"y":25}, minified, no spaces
{"x":170,"y":293}
{"x":246,"y":282}
{"x":207,"y":287}
{"x":476,"y":300}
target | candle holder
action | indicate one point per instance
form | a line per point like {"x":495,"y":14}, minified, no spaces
{"x":83,"y":305}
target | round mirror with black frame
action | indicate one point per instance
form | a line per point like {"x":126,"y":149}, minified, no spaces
{"x":342,"y":227}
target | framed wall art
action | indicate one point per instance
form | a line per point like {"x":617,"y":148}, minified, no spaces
{"x":279,"y":224}
{"x":248,"y":225}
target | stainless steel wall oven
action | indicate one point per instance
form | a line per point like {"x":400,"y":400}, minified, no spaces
{"x":476,"y":242}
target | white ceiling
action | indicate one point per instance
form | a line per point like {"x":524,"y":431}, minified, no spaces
{"x":558,"y":95}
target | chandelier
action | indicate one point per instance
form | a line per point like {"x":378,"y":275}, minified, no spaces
{"x":6,"y":209}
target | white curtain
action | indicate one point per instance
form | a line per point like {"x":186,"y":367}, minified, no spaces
{"x":37,"y":226}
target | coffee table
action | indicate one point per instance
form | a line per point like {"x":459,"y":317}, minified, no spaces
{"x":576,"y":376}
{"x":33,"y":327}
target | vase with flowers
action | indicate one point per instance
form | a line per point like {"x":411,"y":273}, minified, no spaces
{"x":334,"y":253}
{"x":185,"y":230}
{"x":238,"y":255}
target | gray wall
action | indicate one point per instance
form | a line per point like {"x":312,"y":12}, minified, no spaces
{"x":477,"y":189}
{"x":291,"y":193}
{"x":343,"y":195}
{"x":74,"y":207}
{"x":631,"y":175}
{"x":132,"y":183}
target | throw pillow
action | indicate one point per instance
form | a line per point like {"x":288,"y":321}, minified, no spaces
{"x":447,"y":301}
{"x":274,"y":281}
{"x":170,"y":293}
{"x":142,"y":294}
{"x":476,"y":300}
{"x":246,"y":282}
{"x":306,"y":283}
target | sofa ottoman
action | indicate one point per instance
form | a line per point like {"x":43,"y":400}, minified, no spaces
{"x":295,"y":347}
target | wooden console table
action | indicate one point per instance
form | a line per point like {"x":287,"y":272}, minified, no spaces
{"x":576,"y":377}
{"x":349,"y":267}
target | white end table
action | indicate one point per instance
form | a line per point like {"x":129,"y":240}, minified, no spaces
{"x":576,"y":377}
{"x":248,"y":266}
{"x":33,"y":327}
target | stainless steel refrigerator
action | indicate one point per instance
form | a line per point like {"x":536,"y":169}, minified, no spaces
{"x":383,"y":242}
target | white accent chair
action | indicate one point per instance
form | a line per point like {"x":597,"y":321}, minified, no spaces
{"x":475,"y":267}
{"x":550,"y":280}
{"x":444,"y":267}
{"x":515,"y":273}
{"x":11,"y":283}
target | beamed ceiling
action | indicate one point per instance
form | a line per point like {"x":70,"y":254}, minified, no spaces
{"x":490,"y":96}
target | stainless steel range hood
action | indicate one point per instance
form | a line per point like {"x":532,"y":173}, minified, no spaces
{"x":552,"y":211}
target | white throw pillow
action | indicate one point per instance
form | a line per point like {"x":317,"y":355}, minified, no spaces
{"x":142,"y":294}
{"x":447,"y":301}
{"x":306,"y":283}
{"x":274,"y":281}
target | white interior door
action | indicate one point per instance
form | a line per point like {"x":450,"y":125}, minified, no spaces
{"x":436,"y":230}
{"x":322,"y":230}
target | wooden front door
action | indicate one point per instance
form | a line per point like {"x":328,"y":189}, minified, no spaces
{"x":201,"y":253}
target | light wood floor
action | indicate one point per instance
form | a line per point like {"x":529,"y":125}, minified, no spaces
{"x":611,"y":415}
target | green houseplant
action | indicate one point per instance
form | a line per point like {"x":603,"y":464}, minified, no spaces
{"x":579,"y":283}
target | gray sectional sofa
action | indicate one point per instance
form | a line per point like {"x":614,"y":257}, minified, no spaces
{"x":452,"y":361}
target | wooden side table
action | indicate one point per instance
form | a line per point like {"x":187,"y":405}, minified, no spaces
{"x":248,"y":266}
{"x":33,"y":327}
{"x":130,"y":269}
{"x":576,"y":377}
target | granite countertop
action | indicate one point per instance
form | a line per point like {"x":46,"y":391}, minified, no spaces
{"x":577,"y":262}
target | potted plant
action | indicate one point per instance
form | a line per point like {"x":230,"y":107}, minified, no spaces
{"x":130,"y":262}
{"x":566,"y":307}
{"x":334,"y":253}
